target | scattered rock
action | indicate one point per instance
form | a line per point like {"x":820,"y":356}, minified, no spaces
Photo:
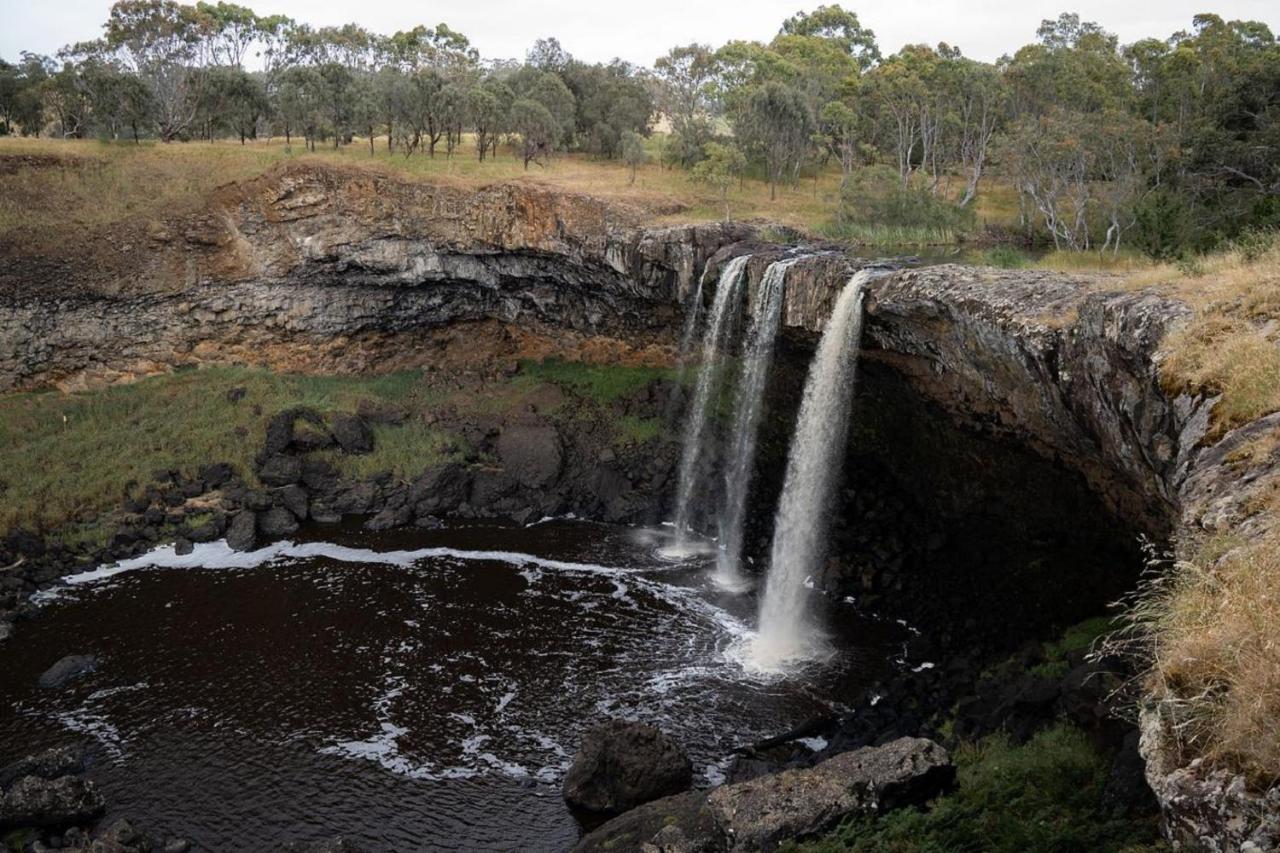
{"x":280,"y":470}
{"x":277,"y":523}
{"x":762,"y":813}
{"x":352,"y":433}
{"x":50,"y":764}
{"x":242,"y":532}
{"x":621,"y":765}
{"x":70,"y":667}
{"x":65,"y":801}
{"x":182,"y":547}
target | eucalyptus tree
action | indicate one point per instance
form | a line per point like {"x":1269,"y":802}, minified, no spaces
{"x":489,"y":107}
{"x":776,"y":126}
{"x":161,"y":42}
{"x":537,"y":129}
{"x":687,"y":76}
{"x":21,"y":108}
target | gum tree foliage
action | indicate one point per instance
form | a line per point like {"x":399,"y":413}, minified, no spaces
{"x":775,"y":125}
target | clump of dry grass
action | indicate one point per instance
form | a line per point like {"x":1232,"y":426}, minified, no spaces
{"x":1232,"y":344}
{"x":1213,"y":628}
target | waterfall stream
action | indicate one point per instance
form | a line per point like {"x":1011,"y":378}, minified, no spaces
{"x":814,"y":464}
{"x":757,"y":358}
{"x":723,"y":311}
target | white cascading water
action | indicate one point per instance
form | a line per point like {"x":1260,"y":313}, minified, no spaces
{"x":786,"y":633}
{"x":757,"y":357}
{"x":713,"y":342}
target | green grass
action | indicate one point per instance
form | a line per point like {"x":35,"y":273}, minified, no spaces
{"x":876,"y":234}
{"x":66,"y":459}
{"x":633,"y":430}
{"x":601,"y":383}
{"x":1045,"y":795}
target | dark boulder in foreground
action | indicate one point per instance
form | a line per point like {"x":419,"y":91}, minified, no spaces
{"x":243,"y":531}
{"x":760,"y":814}
{"x":70,"y":667}
{"x":621,"y":765}
{"x":50,"y":764}
{"x":65,"y":801}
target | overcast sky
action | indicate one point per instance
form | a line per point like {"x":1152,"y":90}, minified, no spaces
{"x":598,"y":30}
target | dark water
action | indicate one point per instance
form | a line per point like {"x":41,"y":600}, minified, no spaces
{"x":422,"y":691}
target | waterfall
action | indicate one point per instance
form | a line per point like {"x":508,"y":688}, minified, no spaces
{"x":757,"y":357}
{"x":713,"y":341}
{"x":813,"y":473}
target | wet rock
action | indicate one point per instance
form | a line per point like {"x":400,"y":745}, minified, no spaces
{"x":243,"y":530}
{"x":358,"y":499}
{"x":182,"y":547}
{"x":390,"y":518}
{"x":621,"y":765}
{"x":49,"y":764}
{"x":352,"y":433}
{"x":762,"y":813}
{"x":294,"y":499}
{"x":677,"y":824}
{"x":531,"y":454}
{"x":70,"y":667}
{"x":277,"y":523}
{"x":280,"y":470}
{"x":65,"y":801}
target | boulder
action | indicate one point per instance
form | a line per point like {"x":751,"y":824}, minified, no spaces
{"x":65,"y":801}
{"x":277,"y":523}
{"x":531,"y":453}
{"x":351,"y":432}
{"x":242,"y":533}
{"x":280,"y":470}
{"x":294,"y":499}
{"x":621,"y":765}
{"x":677,"y":824}
{"x":764,"y":812}
{"x":68,"y":668}
{"x":758,"y":815}
{"x":49,"y":764}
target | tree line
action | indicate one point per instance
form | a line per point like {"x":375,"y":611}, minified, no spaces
{"x":1167,"y":143}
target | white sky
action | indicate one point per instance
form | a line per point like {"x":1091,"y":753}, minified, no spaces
{"x":597,"y":30}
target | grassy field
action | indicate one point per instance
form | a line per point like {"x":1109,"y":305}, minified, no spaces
{"x":65,"y":459}
{"x":99,"y":183}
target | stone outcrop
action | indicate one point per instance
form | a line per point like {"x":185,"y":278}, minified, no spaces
{"x":329,"y":269}
{"x":760,"y":814}
{"x":622,"y":764}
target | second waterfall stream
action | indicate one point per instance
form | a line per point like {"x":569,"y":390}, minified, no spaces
{"x":787,"y":631}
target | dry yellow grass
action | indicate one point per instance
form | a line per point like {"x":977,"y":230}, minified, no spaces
{"x":95,"y":184}
{"x":1232,"y":344}
{"x":1215,"y":625}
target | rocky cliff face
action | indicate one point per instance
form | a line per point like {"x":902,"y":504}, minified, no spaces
{"x":310,"y":268}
